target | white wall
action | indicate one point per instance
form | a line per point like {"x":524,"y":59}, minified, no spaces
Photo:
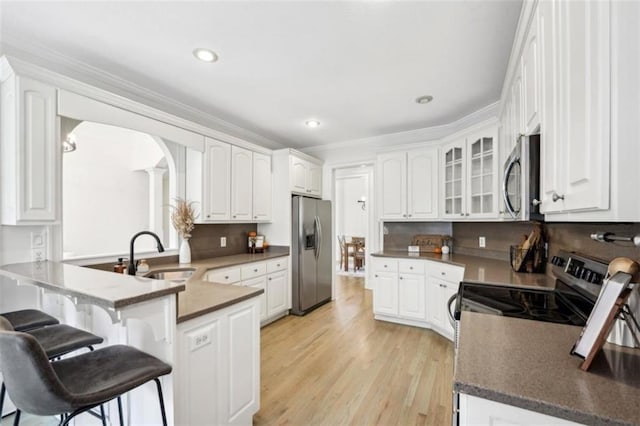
{"x":105,"y":192}
{"x":351,"y":219}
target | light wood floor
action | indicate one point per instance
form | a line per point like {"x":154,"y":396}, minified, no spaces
{"x":337,"y":365}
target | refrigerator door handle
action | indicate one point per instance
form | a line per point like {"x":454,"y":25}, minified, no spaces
{"x":318,"y":236}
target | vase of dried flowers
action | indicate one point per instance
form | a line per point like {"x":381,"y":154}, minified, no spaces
{"x":183,"y":217}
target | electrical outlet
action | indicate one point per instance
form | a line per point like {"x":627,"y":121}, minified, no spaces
{"x":38,"y":240}
{"x":223,"y":241}
{"x":482,"y":242}
{"x":200,"y":339}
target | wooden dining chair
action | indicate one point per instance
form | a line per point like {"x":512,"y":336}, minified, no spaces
{"x":359,"y":252}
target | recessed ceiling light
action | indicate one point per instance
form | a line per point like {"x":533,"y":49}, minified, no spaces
{"x":424,"y":99}
{"x":312,"y":123}
{"x":205,"y":55}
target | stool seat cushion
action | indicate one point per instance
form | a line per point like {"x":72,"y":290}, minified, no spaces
{"x":28,"y":319}
{"x":101,"y":375}
{"x":59,"y":339}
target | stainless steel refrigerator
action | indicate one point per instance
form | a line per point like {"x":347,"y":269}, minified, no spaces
{"x":311,"y":253}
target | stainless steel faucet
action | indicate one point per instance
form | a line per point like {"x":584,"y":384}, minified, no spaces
{"x":131,"y":269}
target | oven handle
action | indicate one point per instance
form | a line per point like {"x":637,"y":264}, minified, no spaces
{"x":450,"y":311}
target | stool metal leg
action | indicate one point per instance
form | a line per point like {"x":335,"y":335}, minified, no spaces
{"x":3,"y":390}
{"x":16,"y":420}
{"x":120,"y":411}
{"x":104,"y":419}
{"x":164,"y":415}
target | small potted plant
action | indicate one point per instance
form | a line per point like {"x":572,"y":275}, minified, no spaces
{"x":183,"y":216}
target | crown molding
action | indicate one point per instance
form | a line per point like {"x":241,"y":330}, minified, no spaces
{"x":45,"y":64}
{"x":432,"y":135}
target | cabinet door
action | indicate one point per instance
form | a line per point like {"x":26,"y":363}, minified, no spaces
{"x":30,"y":153}
{"x":412,"y":296}
{"x":385,"y":293}
{"x":453,"y":179}
{"x":586,"y":103}
{"x":298,"y":172}
{"x":262,"y":185}
{"x":576,"y":58}
{"x":392,"y":181}
{"x":314,"y":180}
{"x":243,"y":384}
{"x":276,"y":293}
{"x":260,"y":282}
{"x":422,"y":184}
{"x":198,"y":368}
{"x":482,"y":182}
{"x":241,"y":183}
{"x":531,"y":81}
{"x":217,"y":180}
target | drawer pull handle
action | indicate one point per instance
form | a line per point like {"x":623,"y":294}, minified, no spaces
{"x":255,"y":270}
{"x":443,"y":273}
{"x":226,"y":277}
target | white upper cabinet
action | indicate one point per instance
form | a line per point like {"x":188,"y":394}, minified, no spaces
{"x":531,"y":79}
{"x":231,"y":183}
{"x":453,"y":179}
{"x":470,"y":176}
{"x":305,"y":177}
{"x":576,"y":64}
{"x":262,"y":187}
{"x":241,"y":183}
{"x":408,"y":182}
{"x":217,"y":197}
{"x":30,"y":153}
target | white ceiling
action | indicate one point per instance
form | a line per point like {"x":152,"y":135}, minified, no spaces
{"x":357,"y":67}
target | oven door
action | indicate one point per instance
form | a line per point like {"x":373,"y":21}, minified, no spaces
{"x":512,"y":183}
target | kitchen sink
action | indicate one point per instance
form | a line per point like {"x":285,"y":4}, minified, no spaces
{"x":176,"y":275}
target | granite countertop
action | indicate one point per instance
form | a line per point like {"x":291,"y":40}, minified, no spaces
{"x":480,"y":269}
{"x":92,"y":286}
{"x":201,"y":297}
{"x":527,"y":364}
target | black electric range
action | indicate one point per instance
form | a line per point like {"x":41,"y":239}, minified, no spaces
{"x":578,"y":283}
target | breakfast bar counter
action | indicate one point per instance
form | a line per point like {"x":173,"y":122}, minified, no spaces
{"x":527,"y":364}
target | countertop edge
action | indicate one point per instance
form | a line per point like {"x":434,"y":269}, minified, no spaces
{"x":220,"y":306}
{"x":123,"y":303}
{"x":537,"y":406}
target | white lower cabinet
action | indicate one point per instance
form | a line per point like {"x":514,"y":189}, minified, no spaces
{"x":218,"y":367}
{"x":272,"y":276}
{"x":480,"y":411}
{"x":415,"y":292}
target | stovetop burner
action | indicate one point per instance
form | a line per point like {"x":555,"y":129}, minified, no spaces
{"x":571,"y":302}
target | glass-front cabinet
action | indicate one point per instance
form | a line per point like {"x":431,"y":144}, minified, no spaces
{"x":470,"y":176}
{"x":454,"y":175}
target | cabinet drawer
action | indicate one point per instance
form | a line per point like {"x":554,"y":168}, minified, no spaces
{"x":224,"y":276}
{"x":385,"y":265}
{"x":411,"y":266}
{"x":277,"y":265}
{"x":446,"y":272}
{"x":253,"y":270}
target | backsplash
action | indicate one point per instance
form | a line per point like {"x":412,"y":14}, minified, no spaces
{"x":398,"y":235}
{"x":500,"y":235}
{"x":205,"y":239}
{"x":561,"y":236}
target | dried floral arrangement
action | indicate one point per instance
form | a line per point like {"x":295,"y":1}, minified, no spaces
{"x":183,"y":217}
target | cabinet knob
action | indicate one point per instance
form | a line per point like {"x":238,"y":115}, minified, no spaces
{"x":555,"y":197}
{"x":409,"y":215}
{"x":270,"y":278}
{"x":255,"y":217}
{"x":255,"y":270}
{"x":536,"y":202}
{"x":461,"y":214}
{"x":234,"y":216}
{"x":385,"y":266}
{"x":278,"y":265}
{"x":442,"y":285}
{"x":226,"y":277}
{"x":466,"y":214}
{"x":401,"y":277}
{"x":411,"y":267}
{"x":443,"y":273}
{"x":208,"y":215}
{"x":376,"y":275}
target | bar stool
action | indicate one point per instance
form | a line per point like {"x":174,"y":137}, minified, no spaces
{"x":56,"y":340}
{"x":27,"y":319}
{"x":76,"y":384}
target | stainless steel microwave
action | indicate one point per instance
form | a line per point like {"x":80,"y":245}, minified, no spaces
{"x":521,"y":180}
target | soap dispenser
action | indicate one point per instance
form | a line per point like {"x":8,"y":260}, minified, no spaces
{"x":120,"y":267}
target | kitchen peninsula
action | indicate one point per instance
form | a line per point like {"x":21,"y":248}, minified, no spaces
{"x":209,"y":332}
